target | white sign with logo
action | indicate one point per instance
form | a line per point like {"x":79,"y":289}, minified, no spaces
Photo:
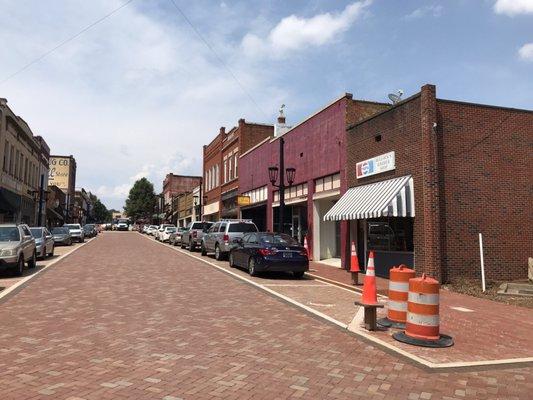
{"x":376,"y":165}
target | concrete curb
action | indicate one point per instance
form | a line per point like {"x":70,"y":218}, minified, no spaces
{"x":353,"y":329}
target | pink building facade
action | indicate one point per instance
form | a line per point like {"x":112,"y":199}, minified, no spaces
{"x":316,"y":147}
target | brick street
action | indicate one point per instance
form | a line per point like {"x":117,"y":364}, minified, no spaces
{"x":124,"y":317}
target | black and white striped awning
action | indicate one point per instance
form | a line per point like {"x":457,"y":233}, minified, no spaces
{"x":390,"y":198}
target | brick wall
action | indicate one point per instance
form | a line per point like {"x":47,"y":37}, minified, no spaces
{"x":487,"y":169}
{"x":471,"y":174}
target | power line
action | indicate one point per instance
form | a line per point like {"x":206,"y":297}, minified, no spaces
{"x":243,"y":88}
{"x":64,"y":42}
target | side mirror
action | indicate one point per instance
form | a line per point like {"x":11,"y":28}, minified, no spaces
{"x":237,"y":241}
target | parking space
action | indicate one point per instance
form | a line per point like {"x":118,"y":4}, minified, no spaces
{"x":8,"y":277}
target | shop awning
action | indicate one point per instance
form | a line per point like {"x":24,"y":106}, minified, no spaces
{"x":390,"y":198}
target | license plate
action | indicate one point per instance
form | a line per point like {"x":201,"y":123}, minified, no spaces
{"x":287,"y":254}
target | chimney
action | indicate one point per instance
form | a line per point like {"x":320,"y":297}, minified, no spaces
{"x":3,"y":101}
{"x":241,"y":122}
{"x":222,"y":130}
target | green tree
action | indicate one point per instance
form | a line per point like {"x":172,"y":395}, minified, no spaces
{"x":101,"y":213}
{"x":141,"y":200}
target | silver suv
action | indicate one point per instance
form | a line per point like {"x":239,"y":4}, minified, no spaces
{"x":220,"y":237}
{"x":17,"y":246}
{"x":193,"y":234}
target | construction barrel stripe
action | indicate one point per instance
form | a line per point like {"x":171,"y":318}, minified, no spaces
{"x":423,"y":309}
{"x":398,"y":293}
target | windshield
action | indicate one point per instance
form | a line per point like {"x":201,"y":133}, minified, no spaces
{"x":171,"y":229}
{"x":59,"y":231}
{"x":89,"y":226}
{"x":72,"y":226}
{"x":202,"y":225}
{"x":242,"y":227}
{"x":9,"y":234}
{"x":279,"y":239}
{"x":36,"y":232}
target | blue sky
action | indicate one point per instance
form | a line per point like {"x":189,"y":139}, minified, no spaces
{"x":139,"y":94}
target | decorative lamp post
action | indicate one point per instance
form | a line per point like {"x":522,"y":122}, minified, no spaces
{"x":289,"y":174}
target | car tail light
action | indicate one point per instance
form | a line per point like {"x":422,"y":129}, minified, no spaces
{"x":194,"y":234}
{"x":303,"y":252}
{"x":266,"y":252}
{"x":226,"y":238}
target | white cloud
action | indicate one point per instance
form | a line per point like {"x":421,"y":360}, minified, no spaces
{"x":432,"y":10}
{"x":295,"y":33}
{"x":513,"y":7}
{"x":137,"y":95}
{"x":526,"y":52}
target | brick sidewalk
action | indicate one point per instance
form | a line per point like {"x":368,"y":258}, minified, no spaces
{"x":483,"y":329}
{"x":127,"y":318}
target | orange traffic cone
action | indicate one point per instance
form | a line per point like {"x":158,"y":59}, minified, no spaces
{"x":354,"y":266}
{"x":370,"y":294}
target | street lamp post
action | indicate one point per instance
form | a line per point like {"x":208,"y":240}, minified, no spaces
{"x":273,"y":173}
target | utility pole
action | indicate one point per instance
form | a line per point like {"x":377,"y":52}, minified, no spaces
{"x":281,"y":185}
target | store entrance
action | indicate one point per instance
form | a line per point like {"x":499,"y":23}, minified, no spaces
{"x":391,"y":240}
{"x":294,"y":221}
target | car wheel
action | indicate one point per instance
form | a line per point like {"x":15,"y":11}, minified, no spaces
{"x":20,"y":267}
{"x":204,"y":250}
{"x":191,"y":245}
{"x":182,"y":245}
{"x":51,"y":254}
{"x":251,"y":267}
{"x":218,"y":254}
{"x":32,"y":262}
{"x":70,"y":242}
{"x":231,"y":260}
{"x":298,"y":275}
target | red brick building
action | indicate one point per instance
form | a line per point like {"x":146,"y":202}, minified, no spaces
{"x":174,"y":185}
{"x":221,"y":167}
{"x":428,"y":175}
{"x":316,"y":148}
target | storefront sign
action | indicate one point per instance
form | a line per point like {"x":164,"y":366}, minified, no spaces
{"x":376,"y":165}
{"x":59,"y":172}
{"x":243,"y":200}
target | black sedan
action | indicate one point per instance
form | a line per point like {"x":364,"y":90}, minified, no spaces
{"x":264,"y":252}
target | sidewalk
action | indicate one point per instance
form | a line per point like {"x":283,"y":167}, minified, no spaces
{"x":483,"y":330}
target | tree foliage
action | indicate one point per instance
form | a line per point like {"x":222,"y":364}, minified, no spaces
{"x":100,"y":211}
{"x":141,"y":200}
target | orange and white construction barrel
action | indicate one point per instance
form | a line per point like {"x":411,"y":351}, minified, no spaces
{"x":398,"y":294}
{"x":422,"y":327}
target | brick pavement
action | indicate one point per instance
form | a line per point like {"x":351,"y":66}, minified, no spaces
{"x":127,"y":318}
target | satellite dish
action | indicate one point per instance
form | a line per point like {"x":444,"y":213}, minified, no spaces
{"x":395,"y":98}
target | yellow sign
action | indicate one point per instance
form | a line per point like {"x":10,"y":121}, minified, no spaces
{"x":243,"y":200}
{"x":59,"y":173}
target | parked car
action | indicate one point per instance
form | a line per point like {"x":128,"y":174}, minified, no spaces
{"x":151,"y":229}
{"x":193,"y":234}
{"x":61,"y":236}
{"x":90,"y":230}
{"x":17,"y":246}
{"x":161,"y":229}
{"x":44,"y":242}
{"x":76,"y":231}
{"x":175,"y":237}
{"x":265,"y":252}
{"x":219,"y":238}
{"x":165,"y":235}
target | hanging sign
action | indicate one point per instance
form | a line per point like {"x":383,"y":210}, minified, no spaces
{"x":376,"y":165}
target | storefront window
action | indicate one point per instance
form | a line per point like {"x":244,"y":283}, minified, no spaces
{"x":390,"y":234}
